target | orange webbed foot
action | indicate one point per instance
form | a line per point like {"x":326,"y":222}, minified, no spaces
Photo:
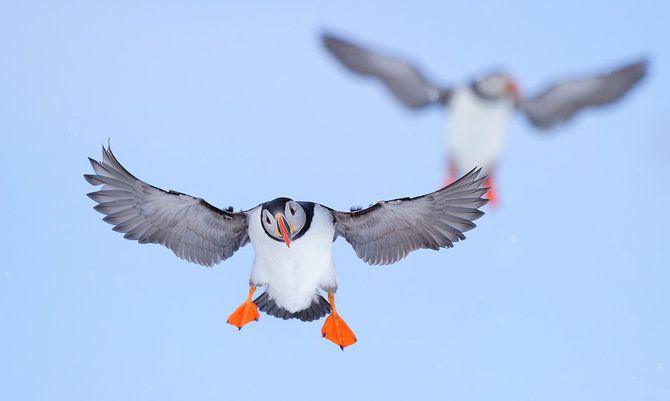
{"x":491,"y":194}
{"x":246,"y":313}
{"x":335,"y":330}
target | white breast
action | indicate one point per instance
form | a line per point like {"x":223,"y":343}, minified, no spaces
{"x":292,"y":275}
{"x":477,"y":129}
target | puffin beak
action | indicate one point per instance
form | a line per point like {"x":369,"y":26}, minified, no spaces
{"x":514,"y":90}
{"x":284,"y":229}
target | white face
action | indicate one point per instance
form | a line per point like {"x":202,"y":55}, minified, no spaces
{"x":293,"y":216}
{"x":496,"y":86}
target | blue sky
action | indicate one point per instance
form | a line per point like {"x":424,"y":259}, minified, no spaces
{"x":560,"y":293}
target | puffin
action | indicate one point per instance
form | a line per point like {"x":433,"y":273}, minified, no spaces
{"x":480,"y":110}
{"x":292,"y":240}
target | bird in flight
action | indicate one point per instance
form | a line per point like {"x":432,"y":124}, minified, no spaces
{"x":479,"y":111}
{"x":292,"y":240}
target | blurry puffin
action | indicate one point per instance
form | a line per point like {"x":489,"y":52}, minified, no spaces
{"x":480,"y":110}
{"x":292,"y":240}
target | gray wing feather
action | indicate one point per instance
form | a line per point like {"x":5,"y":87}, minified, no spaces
{"x":192,"y":228}
{"x":387,"y":231}
{"x":404,"y":81}
{"x":561,"y":101}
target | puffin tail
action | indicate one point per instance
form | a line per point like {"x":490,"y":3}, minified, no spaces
{"x":318,"y":309}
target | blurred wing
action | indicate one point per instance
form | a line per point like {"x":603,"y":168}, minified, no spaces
{"x":401,"y":78}
{"x":387,"y":231}
{"x":561,"y":101}
{"x":192,"y":228}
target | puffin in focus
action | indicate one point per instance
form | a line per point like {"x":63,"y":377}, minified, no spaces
{"x":480,"y":110}
{"x":292,"y":240}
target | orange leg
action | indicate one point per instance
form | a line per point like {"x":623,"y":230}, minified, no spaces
{"x":247,"y":312}
{"x":491,"y":194}
{"x":335,"y":329}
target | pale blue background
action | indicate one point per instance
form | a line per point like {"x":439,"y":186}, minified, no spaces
{"x":559,"y":294}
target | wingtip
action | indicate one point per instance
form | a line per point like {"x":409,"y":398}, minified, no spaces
{"x":108,"y":150}
{"x":327,"y":36}
{"x":91,"y":179}
{"x":640,"y":68}
{"x":642,"y":63}
{"x":471,"y":176}
{"x":633,"y":72}
{"x":93,"y":162}
{"x":328,"y":40}
{"x":477,"y":171}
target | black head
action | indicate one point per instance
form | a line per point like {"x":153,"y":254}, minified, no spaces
{"x":286,"y":220}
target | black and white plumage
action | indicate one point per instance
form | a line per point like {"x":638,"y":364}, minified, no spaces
{"x":479,"y":111}
{"x":292,"y":240}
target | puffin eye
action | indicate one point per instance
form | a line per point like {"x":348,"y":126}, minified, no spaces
{"x":267,"y":220}
{"x":292,"y":210}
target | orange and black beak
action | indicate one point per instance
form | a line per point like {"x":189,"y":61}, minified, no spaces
{"x":513,"y":89}
{"x":284,"y":229}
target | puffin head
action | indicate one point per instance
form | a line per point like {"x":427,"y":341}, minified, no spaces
{"x":283,"y":219}
{"x":497,"y":86}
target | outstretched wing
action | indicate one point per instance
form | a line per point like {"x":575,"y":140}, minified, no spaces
{"x":192,"y":228}
{"x":562,"y":100}
{"x":387,"y":231}
{"x":402,"y":79}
